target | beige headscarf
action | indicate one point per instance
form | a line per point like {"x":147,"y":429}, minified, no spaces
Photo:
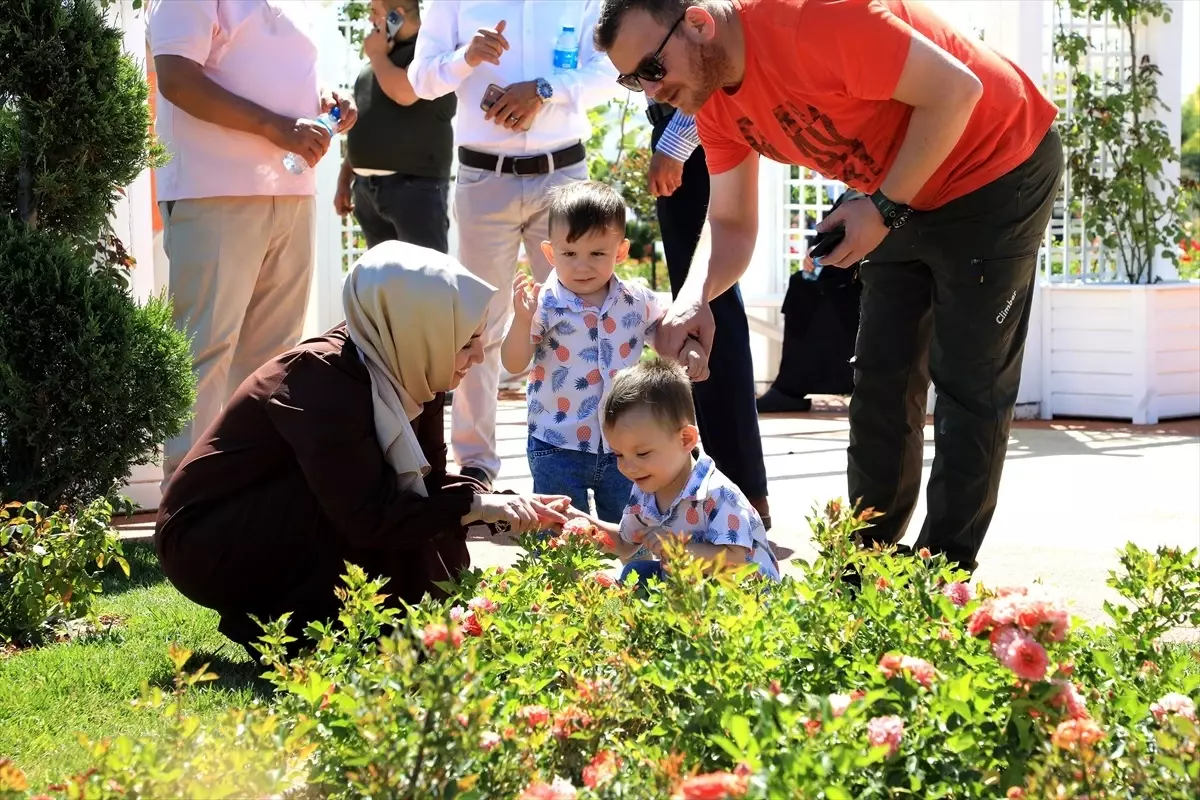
{"x":410,"y":310}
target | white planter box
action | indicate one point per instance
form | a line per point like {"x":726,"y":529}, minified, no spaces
{"x":1121,"y":352}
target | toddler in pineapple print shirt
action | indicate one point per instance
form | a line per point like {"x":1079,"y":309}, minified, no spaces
{"x":650,"y":420}
{"x":580,"y":328}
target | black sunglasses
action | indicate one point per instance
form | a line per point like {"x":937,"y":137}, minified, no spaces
{"x":651,"y":67}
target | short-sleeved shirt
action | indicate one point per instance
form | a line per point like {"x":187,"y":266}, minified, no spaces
{"x":711,"y":509}
{"x":817,"y":92}
{"x":260,"y":50}
{"x":416,"y":140}
{"x":578,"y":350}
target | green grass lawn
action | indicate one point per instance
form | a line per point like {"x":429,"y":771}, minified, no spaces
{"x":50,"y":694}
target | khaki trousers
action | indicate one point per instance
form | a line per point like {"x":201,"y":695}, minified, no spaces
{"x":495,"y":214}
{"x":240,"y":269}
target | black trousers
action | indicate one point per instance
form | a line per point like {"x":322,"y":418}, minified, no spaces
{"x":725,"y":409}
{"x":404,"y":207}
{"x":947,"y":297}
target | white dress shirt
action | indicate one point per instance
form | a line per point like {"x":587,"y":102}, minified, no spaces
{"x":531,"y":28}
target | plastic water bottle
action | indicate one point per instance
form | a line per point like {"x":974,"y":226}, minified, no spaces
{"x":296,"y":164}
{"x":566,"y":51}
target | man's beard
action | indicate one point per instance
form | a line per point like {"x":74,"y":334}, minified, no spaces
{"x":709,"y":64}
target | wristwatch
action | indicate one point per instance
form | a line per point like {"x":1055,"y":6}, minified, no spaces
{"x":894,"y":214}
{"x":544,"y":90}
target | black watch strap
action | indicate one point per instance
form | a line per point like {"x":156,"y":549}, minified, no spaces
{"x":894,"y":214}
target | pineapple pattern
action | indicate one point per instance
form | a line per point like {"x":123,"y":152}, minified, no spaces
{"x":578,"y":350}
{"x":710,"y":509}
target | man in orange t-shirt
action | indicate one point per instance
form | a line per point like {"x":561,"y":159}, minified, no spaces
{"x":952,"y":146}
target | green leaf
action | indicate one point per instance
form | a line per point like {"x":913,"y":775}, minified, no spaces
{"x":960,"y":688}
{"x":739,"y":728}
{"x":837,"y":793}
{"x":729,"y":747}
{"x":960,"y":742}
{"x":1105,"y":662}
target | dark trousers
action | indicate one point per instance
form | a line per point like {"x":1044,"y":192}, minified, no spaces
{"x":725,"y":409}
{"x":947,"y":297}
{"x":415,"y":210}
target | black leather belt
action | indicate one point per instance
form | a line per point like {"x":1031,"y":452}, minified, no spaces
{"x":659,"y":112}
{"x":524,"y":166}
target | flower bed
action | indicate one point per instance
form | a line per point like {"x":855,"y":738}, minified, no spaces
{"x":548,"y":681}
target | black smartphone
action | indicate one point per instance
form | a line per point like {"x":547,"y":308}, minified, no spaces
{"x":825,"y":243}
{"x":493,"y":94}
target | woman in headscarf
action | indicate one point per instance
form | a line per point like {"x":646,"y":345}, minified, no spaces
{"x":335,"y":451}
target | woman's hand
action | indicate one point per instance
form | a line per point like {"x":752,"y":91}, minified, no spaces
{"x":521,"y":513}
{"x":559,"y":502}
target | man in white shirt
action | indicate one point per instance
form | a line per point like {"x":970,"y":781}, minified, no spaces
{"x":529,"y":141}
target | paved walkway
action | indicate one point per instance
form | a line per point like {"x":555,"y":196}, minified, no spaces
{"x":1073,"y":493}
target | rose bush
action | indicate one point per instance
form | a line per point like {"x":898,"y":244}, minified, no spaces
{"x":51,"y":565}
{"x":540,"y":681}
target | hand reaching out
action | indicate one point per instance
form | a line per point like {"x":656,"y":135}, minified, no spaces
{"x":525,"y":297}
{"x":518,"y":513}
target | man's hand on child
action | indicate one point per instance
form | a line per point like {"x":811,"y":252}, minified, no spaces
{"x":525,"y":296}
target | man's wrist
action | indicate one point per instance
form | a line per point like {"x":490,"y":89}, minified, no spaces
{"x":269,"y":124}
{"x":893,"y":214}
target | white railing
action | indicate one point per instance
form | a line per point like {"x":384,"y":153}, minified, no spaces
{"x":1071,"y":255}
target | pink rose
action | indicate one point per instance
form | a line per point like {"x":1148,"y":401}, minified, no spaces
{"x":1020,"y":652}
{"x":482,"y":604}
{"x":436,"y":632}
{"x":838,"y":703}
{"x":958,"y":593}
{"x":602,"y":769}
{"x":713,"y":786}
{"x":560,"y":789}
{"x":488,"y":741}
{"x":467,"y":620}
{"x":1069,"y":700}
{"x":1173,"y":703}
{"x":918,"y":669}
{"x":886,"y":732}
{"x":535,"y":715}
{"x":568,"y":721}
{"x":891,"y":664}
{"x":604,"y":579}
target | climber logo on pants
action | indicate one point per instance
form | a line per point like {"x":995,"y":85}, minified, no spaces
{"x":1003,"y":315}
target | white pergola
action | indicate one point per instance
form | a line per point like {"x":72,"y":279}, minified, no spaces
{"x":1096,"y":347}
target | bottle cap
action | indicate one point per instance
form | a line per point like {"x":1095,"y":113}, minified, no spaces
{"x":336,"y":113}
{"x":569,"y":28}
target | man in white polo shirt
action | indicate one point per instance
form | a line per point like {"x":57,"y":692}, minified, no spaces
{"x":528,"y":142}
{"x":238,"y":90}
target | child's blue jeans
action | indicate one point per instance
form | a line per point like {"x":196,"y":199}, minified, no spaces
{"x":645,"y":570}
{"x":557,"y":470}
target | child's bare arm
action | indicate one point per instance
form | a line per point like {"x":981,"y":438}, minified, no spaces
{"x":606,"y":535}
{"x":734,"y":554}
{"x":516,"y":351}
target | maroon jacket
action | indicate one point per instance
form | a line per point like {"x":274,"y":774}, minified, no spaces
{"x":290,"y":481}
